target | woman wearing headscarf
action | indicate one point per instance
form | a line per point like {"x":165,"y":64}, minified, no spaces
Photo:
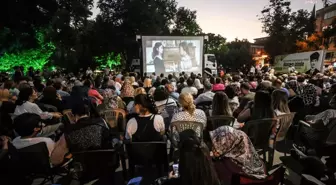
{"x":235,"y":154}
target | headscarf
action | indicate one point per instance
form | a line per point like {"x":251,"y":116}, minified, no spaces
{"x":236,"y":145}
{"x":309,"y":94}
{"x":127,"y":90}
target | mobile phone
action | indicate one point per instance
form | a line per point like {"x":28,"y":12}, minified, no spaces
{"x":175,"y":169}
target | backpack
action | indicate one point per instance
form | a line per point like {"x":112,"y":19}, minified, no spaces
{"x":168,"y":112}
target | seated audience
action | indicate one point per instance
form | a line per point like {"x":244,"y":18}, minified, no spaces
{"x":92,"y":92}
{"x":190,"y":88}
{"x":148,"y":125}
{"x":232,"y":93}
{"x":130,"y":106}
{"x":218,"y":86}
{"x":50,"y":97}
{"x":162,"y":99}
{"x":59,"y":88}
{"x":261,"y":108}
{"x":189,"y":111}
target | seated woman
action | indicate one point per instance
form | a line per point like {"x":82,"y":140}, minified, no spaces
{"x":93,"y":92}
{"x":189,"y":111}
{"x":25,"y":104}
{"x":232,"y":93}
{"x":50,"y":97}
{"x":261,"y":108}
{"x":130,"y":106}
{"x":147,"y":126}
{"x":235,"y":154}
{"x":221,"y":107}
{"x":162,"y":98}
{"x":218,"y":86}
{"x":195,"y":165}
{"x":88,"y":133}
{"x":280,"y":102}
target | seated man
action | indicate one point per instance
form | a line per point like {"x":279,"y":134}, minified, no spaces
{"x":207,"y":96}
{"x":28,"y":126}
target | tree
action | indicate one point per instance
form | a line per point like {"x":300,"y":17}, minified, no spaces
{"x":312,"y":43}
{"x":33,"y":57}
{"x":284,"y":27}
{"x":185,"y":23}
{"x":19,"y":21}
{"x":238,"y":54}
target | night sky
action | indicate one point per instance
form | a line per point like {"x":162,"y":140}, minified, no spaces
{"x":235,"y":18}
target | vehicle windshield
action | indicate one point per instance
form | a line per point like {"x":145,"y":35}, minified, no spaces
{"x":212,"y":59}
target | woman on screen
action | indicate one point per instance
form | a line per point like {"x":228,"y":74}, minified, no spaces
{"x":186,"y":63}
{"x":157,"y":57}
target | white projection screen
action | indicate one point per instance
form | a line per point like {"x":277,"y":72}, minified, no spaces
{"x":168,"y":54}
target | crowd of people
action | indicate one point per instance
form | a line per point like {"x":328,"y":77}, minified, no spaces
{"x":32,"y":108}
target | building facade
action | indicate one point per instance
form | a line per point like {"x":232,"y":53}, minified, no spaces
{"x":324,"y":18}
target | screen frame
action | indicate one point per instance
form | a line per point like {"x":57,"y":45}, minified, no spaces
{"x":146,"y":38}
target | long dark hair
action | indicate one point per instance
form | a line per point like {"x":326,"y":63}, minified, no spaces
{"x":280,"y":101}
{"x":220,"y":105}
{"x":24,"y":95}
{"x":262,"y":107}
{"x":155,"y":49}
{"x":195,"y":166}
{"x":147,"y":102}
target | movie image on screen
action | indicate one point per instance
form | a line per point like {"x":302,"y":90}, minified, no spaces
{"x":172,"y":54}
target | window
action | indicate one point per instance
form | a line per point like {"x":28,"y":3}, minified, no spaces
{"x":212,"y":59}
{"x":330,"y":14}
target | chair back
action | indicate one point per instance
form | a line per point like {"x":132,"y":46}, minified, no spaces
{"x":68,"y":116}
{"x":181,"y":126}
{"x":115,"y":118}
{"x":217,"y":121}
{"x":33,"y":159}
{"x":259,"y":131}
{"x":285,"y":121}
{"x":147,"y":154}
{"x":331,"y":138}
{"x":90,"y":165}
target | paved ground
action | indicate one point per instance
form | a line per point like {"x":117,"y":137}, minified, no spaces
{"x":119,"y":177}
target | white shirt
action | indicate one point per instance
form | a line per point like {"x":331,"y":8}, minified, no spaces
{"x":88,"y":72}
{"x":117,"y":86}
{"x":170,"y":102}
{"x":19,"y":143}
{"x":132,"y":125}
{"x":191,"y":90}
{"x":29,"y":107}
{"x":252,"y":70}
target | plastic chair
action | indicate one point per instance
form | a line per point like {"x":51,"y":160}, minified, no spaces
{"x":181,"y":126}
{"x":69,"y":117}
{"x":280,"y":143}
{"x":147,"y":154}
{"x":259,"y":131}
{"x":95,"y":164}
{"x":115,"y":118}
{"x":32,"y":162}
{"x":218,"y":121}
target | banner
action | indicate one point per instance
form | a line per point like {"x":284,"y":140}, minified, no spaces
{"x":306,"y":62}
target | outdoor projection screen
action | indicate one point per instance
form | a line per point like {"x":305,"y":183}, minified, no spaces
{"x":168,"y":54}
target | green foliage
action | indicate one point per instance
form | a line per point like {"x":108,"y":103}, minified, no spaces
{"x":35,"y":57}
{"x":284,"y":27}
{"x":185,"y":23}
{"x":109,"y":60}
{"x":238,"y":54}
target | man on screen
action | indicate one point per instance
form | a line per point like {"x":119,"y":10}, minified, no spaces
{"x":314,"y":58}
{"x":158,"y":58}
{"x":186,"y":63}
